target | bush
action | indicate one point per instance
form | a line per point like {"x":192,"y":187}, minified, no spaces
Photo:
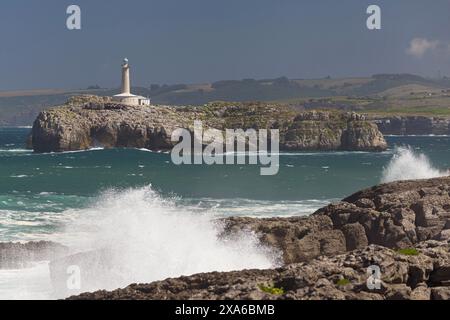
{"x":271,"y":289}
{"x":343,"y":282}
{"x":408,"y":252}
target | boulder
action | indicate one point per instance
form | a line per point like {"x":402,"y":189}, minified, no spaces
{"x":440,"y":293}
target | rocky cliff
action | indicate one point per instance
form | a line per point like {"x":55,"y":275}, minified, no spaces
{"x":413,"y":125}
{"x":401,"y":227}
{"x":86,"y":122}
{"x":394,"y":215}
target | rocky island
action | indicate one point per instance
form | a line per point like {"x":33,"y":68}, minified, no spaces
{"x":401,"y":227}
{"x":89,"y":121}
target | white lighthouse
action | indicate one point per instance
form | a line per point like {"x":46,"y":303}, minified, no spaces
{"x":125,"y":96}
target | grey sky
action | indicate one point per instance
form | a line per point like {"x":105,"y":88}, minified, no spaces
{"x":179,"y":41}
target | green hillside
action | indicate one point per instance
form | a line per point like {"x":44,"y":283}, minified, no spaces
{"x":383,"y":93}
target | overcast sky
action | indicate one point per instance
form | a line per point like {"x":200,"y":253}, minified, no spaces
{"x":191,"y":41}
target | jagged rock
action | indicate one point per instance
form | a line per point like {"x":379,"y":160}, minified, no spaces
{"x":340,"y":277}
{"x":440,"y":293}
{"x":299,"y":238}
{"x":386,"y":215}
{"x":421,"y":292}
{"x":355,"y":236}
{"x":398,"y":292}
{"x":441,"y":273}
{"x":398,"y":214}
{"x":89,"y":121}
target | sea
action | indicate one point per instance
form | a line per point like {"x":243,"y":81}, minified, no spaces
{"x":161,"y":219}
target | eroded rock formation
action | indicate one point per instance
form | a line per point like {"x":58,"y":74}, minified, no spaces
{"x":394,"y":215}
{"x":86,"y":122}
{"x":423,"y":276}
{"x":401,"y":227}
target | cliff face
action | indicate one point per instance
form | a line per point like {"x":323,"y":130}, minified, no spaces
{"x":401,"y":227}
{"x":86,"y":122}
{"x":413,"y":125}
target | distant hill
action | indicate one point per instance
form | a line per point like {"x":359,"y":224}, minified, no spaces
{"x":379,"y":93}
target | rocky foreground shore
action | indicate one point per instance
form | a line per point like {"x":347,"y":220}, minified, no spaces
{"x":403,"y":228}
{"x":89,"y":121}
{"x":423,"y":277}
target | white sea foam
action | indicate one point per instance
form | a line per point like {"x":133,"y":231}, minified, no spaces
{"x":153,"y":238}
{"x":150,"y":238}
{"x":254,"y":208}
{"x":19,"y":176}
{"x":303,"y":153}
{"x":407,"y":164}
{"x":16,"y":150}
{"x":69,"y":152}
{"x":418,"y":135}
{"x":30,"y":283}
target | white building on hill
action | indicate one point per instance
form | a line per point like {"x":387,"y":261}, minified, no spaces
{"x":125,"y":96}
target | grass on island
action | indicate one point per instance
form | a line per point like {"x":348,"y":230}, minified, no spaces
{"x":271,"y":289}
{"x":424,"y":106}
{"x":343,"y":282}
{"x":408,"y":251}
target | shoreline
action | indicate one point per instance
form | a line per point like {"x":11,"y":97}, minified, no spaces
{"x":376,"y":222}
{"x":326,"y":254}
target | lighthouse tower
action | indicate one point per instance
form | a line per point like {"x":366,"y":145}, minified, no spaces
{"x":125,"y":97}
{"x":125,"y":77}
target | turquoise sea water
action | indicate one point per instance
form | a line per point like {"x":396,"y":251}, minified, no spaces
{"x":41,"y":187}
{"x":158,"y":219}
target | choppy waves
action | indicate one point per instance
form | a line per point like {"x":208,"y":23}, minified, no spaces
{"x":150,"y":237}
{"x":258,"y":208}
{"x":408,"y":164}
{"x":15,"y":151}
